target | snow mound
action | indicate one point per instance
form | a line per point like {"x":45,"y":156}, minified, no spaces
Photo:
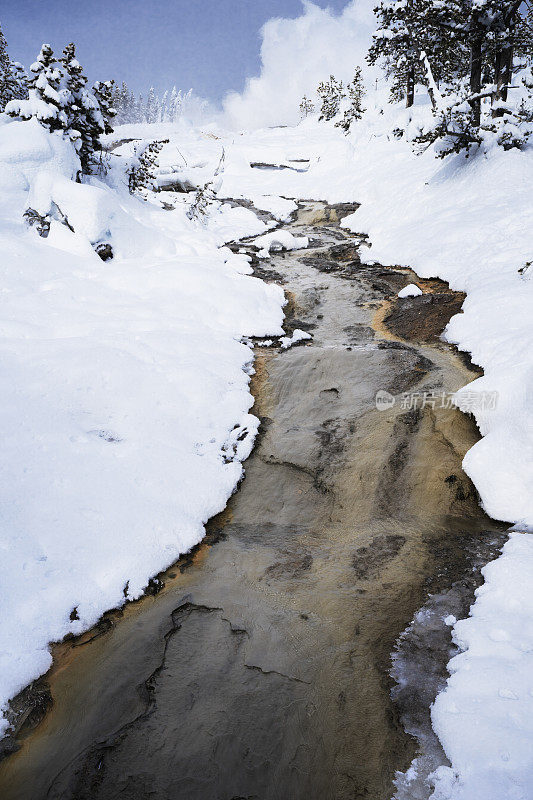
{"x":297,"y":336}
{"x":412,"y":290}
{"x":281,"y":240}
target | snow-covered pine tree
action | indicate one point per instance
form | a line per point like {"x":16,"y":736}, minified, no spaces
{"x":104,"y":93}
{"x":19,"y":89}
{"x":88,"y":113}
{"x":141,"y":174}
{"x":331,"y":94}
{"x":44,"y":100}
{"x":132,"y":114}
{"x":121,"y":99}
{"x":306,"y":107}
{"x":152,"y":106}
{"x":355,"y":92}
{"x":13,"y":79}
{"x":163,"y":108}
{"x":73,"y":82}
{"x":85,"y":122}
{"x":5,"y":73}
{"x":494,"y":31}
{"x":174,"y":106}
{"x":510,"y":35}
{"x":409,"y":27}
{"x":139,"y":112}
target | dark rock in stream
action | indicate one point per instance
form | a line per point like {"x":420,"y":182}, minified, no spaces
{"x":423,"y":318}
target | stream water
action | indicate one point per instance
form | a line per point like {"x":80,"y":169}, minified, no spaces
{"x":261,"y":669}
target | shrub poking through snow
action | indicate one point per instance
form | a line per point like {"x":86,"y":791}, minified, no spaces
{"x":141,"y":174}
{"x":307,"y":107}
{"x":105,"y":251}
{"x":41,"y":222}
{"x":355,"y":93}
{"x":331,"y":94}
{"x":206,"y":195}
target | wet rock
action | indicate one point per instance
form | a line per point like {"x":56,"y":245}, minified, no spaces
{"x":423,"y":318}
{"x":348,"y":251}
{"x":26,"y":711}
{"x":277,"y":167}
{"x":294,"y":566}
{"x":367,"y":561}
{"x":358,"y":333}
{"x":342,"y":210}
{"x":105,"y":251}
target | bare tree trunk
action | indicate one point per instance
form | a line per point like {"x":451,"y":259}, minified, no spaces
{"x":432,"y":86}
{"x":410,"y":91}
{"x":507,"y":70}
{"x":498,"y":82}
{"x":476,"y":44}
{"x":503,"y":75}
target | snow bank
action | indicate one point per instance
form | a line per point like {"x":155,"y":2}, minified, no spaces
{"x":279,"y":207}
{"x":484,"y":716}
{"x":124,"y":395}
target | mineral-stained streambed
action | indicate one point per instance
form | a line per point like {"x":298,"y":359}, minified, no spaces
{"x":261,"y":669}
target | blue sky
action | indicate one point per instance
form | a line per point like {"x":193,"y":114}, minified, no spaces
{"x":211,"y":46}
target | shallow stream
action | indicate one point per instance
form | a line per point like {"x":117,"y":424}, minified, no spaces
{"x":261,"y":669}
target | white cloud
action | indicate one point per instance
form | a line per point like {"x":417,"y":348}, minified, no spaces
{"x":296,"y":55}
